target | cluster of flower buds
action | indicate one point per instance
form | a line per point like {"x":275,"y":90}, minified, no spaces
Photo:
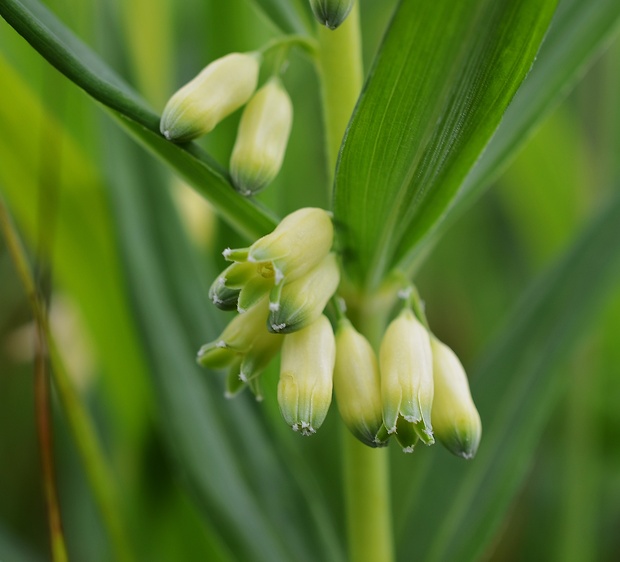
{"x":331,"y":13}
{"x":280,"y":286}
{"x":418,"y":379}
{"x":417,"y":389}
{"x":220,"y":89}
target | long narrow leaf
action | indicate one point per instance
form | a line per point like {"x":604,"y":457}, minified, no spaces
{"x":459,"y":507}
{"x":428,"y":109}
{"x":287,"y":15}
{"x":80,"y":64}
{"x":578,"y":32}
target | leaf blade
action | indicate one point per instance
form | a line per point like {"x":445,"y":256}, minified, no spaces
{"x":435,"y":96}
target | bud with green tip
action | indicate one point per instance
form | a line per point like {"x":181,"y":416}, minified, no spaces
{"x":305,"y":387}
{"x":406,"y":367}
{"x":297,"y":245}
{"x":455,"y":417}
{"x":261,"y":141}
{"x":357,"y":386}
{"x":331,"y":13}
{"x":220,"y":89}
{"x":301,"y":302}
{"x":237,"y":338}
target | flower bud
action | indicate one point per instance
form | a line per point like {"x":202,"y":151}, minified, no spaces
{"x":297,"y":245}
{"x":331,"y":13}
{"x":357,"y":385}
{"x":305,"y":387}
{"x":407,"y":375}
{"x":221,"y":88}
{"x":301,"y":302}
{"x":261,"y":141}
{"x":455,"y":418}
{"x":237,"y":338}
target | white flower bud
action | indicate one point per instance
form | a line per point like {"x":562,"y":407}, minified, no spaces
{"x":407,"y":375}
{"x":301,"y":302}
{"x":455,"y":418}
{"x":220,"y":89}
{"x":357,"y":386}
{"x":261,"y":141}
{"x":305,"y":387}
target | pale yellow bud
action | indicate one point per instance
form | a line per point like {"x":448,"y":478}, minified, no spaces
{"x":305,"y":387}
{"x":301,"y":302}
{"x":407,"y":375}
{"x":455,"y":418}
{"x":357,"y":385}
{"x":237,"y":337}
{"x":261,"y":141}
{"x":297,"y":245}
{"x":221,"y":88}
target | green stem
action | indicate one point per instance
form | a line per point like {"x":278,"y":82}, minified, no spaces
{"x":366,"y":470}
{"x":341,"y":70}
{"x":95,"y":465}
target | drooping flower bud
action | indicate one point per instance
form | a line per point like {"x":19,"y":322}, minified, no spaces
{"x":455,"y":418}
{"x":305,"y":387}
{"x":261,"y":141}
{"x":407,"y":375}
{"x":297,"y":245}
{"x":300,"y":303}
{"x":331,"y":13}
{"x":220,"y":89}
{"x":237,"y":338}
{"x":357,"y":386}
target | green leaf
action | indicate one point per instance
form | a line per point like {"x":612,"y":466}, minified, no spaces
{"x":80,"y":64}
{"x":288,"y":16}
{"x":439,"y":86}
{"x":579,"y":31}
{"x":457,"y":507}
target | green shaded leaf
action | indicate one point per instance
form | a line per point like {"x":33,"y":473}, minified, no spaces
{"x":426,"y":113}
{"x":579,"y":30}
{"x":458,"y":507}
{"x":80,"y":64}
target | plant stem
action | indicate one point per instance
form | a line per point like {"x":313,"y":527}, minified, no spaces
{"x":366,"y":470}
{"x":341,"y":70}
{"x":95,"y":465}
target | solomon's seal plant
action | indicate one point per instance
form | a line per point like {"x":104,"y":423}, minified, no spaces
{"x":331,"y":183}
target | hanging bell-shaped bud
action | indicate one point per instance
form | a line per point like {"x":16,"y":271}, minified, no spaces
{"x":300,"y":303}
{"x":220,"y":89}
{"x":456,"y":421}
{"x":357,"y":386}
{"x":407,"y":375}
{"x":262,"y":138}
{"x":305,"y":387}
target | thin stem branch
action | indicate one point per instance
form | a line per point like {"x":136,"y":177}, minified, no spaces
{"x":95,"y":465}
{"x":44,"y":433}
{"x":366,"y":470}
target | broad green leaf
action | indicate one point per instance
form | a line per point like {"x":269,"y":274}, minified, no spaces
{"x":579,"y":30}
{"x":458,"y":507}
{"x":437,"y":91}
{"x":289,"y":16}
{"x":80,"y":64}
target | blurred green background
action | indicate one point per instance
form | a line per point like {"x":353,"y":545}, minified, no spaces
{"x":127,"y":251}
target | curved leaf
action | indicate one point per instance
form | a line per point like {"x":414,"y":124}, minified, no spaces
{"x":427,"y":111}
{"x":80,"y":64}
